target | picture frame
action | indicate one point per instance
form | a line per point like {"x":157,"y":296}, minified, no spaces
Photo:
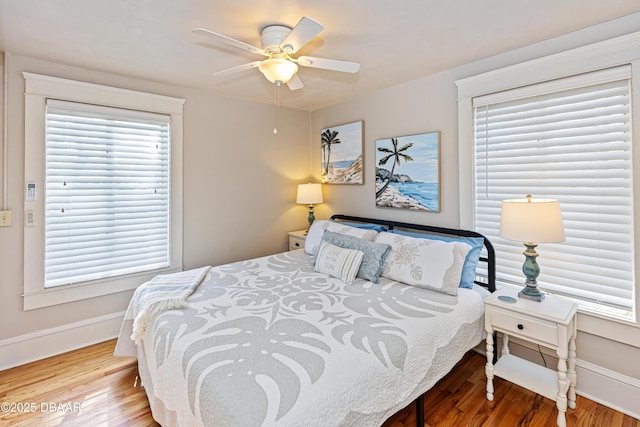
{"x":342,"y":154}
{"x":408,"y":172}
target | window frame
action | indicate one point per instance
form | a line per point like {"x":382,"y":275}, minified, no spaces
{"x":509,"y":138}
{"x":38,"y":88}
{"x":610,"y":53}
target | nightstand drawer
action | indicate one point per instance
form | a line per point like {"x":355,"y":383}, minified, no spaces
{"x":297,"y":239}
{"x":524,"y":326}
{"x":296,"y":244}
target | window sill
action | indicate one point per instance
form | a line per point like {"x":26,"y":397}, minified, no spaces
{"x":80,"y":291}
{"x":622,"y":331}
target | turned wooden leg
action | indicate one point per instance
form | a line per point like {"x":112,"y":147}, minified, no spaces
{"x":505,"y":344}
{"x":561,"y":399}
{"x":572,"y":373}
{"x":489,"y":366}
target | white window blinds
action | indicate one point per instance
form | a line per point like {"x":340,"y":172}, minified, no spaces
{"x":569,"y":140}
{"x":107,"y":192}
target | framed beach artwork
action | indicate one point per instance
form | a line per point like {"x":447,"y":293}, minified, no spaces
{"x":408,"y":172}
{"x":342,"y":154}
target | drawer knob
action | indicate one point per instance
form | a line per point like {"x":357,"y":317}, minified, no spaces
{"x":520,"y":326}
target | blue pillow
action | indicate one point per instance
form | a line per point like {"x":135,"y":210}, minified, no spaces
{"x":470,"y":262}
{"x":374,"y":253}
{"x":365,"y":225}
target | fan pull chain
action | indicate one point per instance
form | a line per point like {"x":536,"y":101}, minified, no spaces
{"x":278,"y":83}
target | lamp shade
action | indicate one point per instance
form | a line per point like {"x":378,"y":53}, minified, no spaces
{"x":309,"y":194}
{"x":278,"y":69}
{"x":531,"y":220}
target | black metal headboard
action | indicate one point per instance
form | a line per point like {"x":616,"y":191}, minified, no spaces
{"x":490,"y":258}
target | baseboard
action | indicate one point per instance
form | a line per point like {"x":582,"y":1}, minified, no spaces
{"x":602,"y":385}
{"x":610,"y":388}
{"x":39,"y":345}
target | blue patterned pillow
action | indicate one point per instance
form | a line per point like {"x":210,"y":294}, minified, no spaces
{"x":317,"y":229}
{"x":470,"y":263}
{"x":374,"y":253}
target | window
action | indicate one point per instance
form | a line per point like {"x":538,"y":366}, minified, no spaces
{"x":106,"y":164}
{"x":570,"y":140}
{"x":561,"y":127}
{"x":106,"y":192}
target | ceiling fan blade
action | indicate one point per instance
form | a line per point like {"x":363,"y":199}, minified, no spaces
{"x":228,"y":40}
{"x":301,"y":34}
{"x":295,"y":83}
{"x":329,"y":64}
{"x":237,"y":69}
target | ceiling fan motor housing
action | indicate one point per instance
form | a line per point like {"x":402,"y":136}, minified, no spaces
{"x":272,"y":37}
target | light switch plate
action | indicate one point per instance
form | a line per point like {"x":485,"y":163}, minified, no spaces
{"x":30,"y":219}
{"x":5,"y":218}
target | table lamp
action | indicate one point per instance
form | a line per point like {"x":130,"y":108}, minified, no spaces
{"x":309,"y":194}
{"x":531,"y":220}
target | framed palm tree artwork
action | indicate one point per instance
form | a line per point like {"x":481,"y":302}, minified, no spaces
{"x":408,"y":172}
{"x":342,"y":154}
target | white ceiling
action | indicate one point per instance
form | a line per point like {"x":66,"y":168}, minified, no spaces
{"x":394,"y":41}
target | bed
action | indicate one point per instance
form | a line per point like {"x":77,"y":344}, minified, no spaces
{"x":295,"y":339}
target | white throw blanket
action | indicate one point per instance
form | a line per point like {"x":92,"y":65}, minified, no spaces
{"x":163,"y":292}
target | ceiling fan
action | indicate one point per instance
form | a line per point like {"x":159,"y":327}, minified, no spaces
{"x":279,"y":43}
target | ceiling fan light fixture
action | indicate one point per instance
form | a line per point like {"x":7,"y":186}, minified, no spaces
{"x":278,"y":69}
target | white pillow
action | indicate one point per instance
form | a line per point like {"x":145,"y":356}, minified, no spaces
{"x":314,"y":236}
{"x":338,"y":262}
{"x":425,"y":263}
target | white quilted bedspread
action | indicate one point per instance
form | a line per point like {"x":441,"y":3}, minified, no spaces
{"x":270,"y":342}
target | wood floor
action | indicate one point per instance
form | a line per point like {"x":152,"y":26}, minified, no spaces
{"x":90,"y":387}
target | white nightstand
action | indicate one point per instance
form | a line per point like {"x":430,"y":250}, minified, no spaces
{"x":296,"y":239}
{"x":550,"y":323}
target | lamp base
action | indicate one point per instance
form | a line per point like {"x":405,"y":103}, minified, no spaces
{"x":531,"y":271}
{"x":311,"y":216}
{"x":531,"y":293}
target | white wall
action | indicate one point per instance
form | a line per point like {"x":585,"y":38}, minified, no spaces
{"x":430,"y":104}
{"x":239,"y":202}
